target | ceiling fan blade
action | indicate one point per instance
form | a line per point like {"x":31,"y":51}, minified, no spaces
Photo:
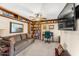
{"x":31,"y":17}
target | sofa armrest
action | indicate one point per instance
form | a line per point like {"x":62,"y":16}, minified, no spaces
{"x":12,"y":45}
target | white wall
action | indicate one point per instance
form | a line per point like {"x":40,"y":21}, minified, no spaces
{"x":5,"y":26}
{"x":70,"y":40}
{"x":55,"y":30}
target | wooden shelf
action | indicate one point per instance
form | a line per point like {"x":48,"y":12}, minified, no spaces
{"x":9,"y":14}
{"x":35,"y":26}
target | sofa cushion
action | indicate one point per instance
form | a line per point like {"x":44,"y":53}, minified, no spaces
{"x":20,"y":46}
{"x":65,"y":53}
{"x":17,"y":38}
{"x":23,"y":36}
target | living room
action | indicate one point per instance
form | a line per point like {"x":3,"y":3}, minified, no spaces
{"x":22,"y":30}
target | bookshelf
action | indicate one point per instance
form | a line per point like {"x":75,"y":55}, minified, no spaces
{"x":36,"y":27}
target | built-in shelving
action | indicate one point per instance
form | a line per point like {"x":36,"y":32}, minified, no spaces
{"x":9,"y":14}
{"x":35,"y":26}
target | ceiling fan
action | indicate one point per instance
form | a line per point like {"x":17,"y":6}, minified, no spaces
{"x":37,"y":17}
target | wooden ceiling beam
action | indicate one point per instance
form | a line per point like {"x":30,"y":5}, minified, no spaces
{"x":6,"y":10}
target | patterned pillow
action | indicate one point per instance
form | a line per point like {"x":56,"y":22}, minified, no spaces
{"x":60,"y":49}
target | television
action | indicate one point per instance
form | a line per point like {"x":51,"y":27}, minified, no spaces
{"x":67,"y":18}
{"x":77,"y":11}
{"x":16,"y":27}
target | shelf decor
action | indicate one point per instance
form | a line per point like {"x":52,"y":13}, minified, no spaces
{"x":51,"y":26}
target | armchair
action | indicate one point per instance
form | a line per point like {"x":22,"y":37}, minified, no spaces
{"x":48,"y":35}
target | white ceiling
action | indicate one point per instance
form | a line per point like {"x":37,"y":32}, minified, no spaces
{"x":47,"y":10}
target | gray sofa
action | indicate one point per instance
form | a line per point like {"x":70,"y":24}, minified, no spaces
{"x":18,"y":43}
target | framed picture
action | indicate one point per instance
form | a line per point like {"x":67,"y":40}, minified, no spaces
{"x":16,"y":27}
{"x":51,"y":26}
